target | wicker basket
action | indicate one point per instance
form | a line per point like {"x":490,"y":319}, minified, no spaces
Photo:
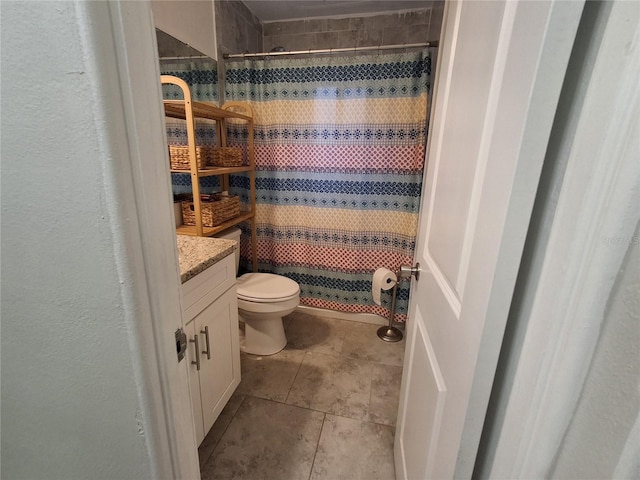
{"x":179,"y":156}
{"x":216,"y":210}
{"x":226,"y":157}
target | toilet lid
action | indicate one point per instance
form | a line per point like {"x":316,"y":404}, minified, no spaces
{"x":265,"y":287}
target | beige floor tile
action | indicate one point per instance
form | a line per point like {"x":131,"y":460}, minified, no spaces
{"x":219,"y":427}
{"x":329,"y":365}
{"x":266,"y":440}
{"x":269,"y":376}
{"x":385,"y":394}
{"x":337,"y":385}
{"x":286,"y":320}
{"x":361,"y":341}
{"x":354,"y":450}
{"x":316,"y":334}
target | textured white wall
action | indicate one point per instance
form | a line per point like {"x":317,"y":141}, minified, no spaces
{"x":602,"y":425}
{"x":566,"y":398}
{"x":192,"y":22}
{"x":71,"y":404}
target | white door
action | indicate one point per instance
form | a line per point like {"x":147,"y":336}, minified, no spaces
{"x":501,"y":67}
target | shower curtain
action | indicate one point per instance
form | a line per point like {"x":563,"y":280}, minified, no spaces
{"x":339,"y":149}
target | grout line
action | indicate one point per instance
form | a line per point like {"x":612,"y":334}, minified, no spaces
{"x":296,"y":406}
{"x":363,"y":420}
{"x":295,"y":377}
{"x":284,"y":402}
{"x":315,"y":454}
{"x":368,"y":415}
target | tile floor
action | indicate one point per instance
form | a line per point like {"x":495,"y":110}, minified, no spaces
{"x":322,"y":409}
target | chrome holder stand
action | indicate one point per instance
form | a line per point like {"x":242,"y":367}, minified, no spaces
{"x":391,"y":333}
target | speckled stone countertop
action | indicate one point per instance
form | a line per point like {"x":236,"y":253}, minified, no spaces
{"x":196,"y":254}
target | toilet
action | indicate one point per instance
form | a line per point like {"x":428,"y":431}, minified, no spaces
{"x":263,"y":299}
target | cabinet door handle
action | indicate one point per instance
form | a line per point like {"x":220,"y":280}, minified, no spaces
{"x":206,"y":339}
{"x":196,"y":362}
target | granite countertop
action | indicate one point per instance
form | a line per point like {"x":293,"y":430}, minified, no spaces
{"x":196,"y":254}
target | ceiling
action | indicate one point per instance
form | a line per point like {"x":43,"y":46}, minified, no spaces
{"x":279,"y":10}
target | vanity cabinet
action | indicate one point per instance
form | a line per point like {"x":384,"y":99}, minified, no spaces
{"x":210,"y":310}
{"x":231,"y":112}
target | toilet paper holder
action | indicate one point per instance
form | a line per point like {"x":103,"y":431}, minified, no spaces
{"x":390,"y":333}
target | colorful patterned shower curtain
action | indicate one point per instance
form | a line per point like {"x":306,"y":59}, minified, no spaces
{"x":339,"y":148}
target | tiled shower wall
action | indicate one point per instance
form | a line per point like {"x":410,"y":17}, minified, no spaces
{"x":390,"y":29}
{"x":237,"y":29}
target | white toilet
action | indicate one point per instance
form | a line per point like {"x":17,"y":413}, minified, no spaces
{"x":263,"y":299}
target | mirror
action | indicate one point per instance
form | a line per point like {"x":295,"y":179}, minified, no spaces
{"x":201,"y":74}
{"x":183,"y":61}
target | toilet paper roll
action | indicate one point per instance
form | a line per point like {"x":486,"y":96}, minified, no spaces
{"x":383,"y":279}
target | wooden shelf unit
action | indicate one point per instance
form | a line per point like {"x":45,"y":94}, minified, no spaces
{"x":189,"y":110}
{"x":212,"y":171}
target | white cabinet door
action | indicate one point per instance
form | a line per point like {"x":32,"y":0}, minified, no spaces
{"x":194,"y":381}
{"x":211,"y":312}
{"x":220,"y":357}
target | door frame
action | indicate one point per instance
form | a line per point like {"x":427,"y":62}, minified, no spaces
{"x":132,"y":30}
{"x":151,"y":254}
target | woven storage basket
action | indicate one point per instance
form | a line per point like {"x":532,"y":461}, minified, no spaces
{"x":179,"y":156}
{"x":216,"y":210}
{"x":226,"y":157}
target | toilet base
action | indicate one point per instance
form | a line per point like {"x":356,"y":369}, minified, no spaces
{"x":263,"y":336}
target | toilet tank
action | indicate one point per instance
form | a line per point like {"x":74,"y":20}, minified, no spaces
{"x":232,"y":234}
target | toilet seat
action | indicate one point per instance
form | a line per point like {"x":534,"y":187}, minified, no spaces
{"x":266,"y":288}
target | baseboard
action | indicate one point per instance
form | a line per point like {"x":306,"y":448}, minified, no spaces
{"x":371,"y":318}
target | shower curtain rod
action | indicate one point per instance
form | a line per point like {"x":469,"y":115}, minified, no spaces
{"x":330,"y":50}
{"x":186,"y":57}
